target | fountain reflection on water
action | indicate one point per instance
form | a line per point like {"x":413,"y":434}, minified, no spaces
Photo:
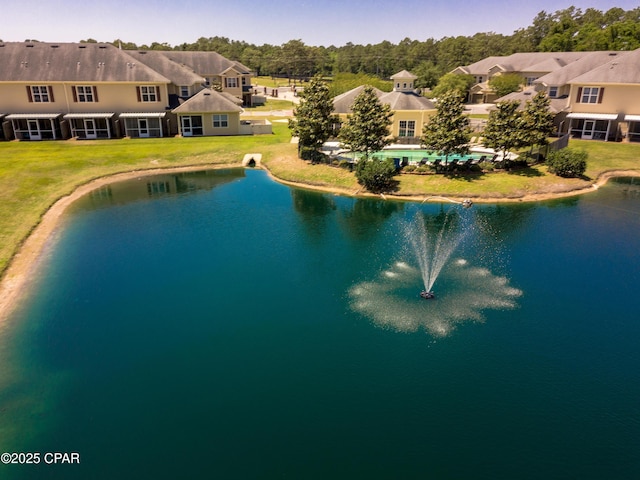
{"x":466,"y":290}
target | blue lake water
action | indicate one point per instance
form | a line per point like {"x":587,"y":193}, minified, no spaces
{"x":220,"y":325}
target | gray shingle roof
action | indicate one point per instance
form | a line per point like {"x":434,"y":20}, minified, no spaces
{"x":556,"y":105}
{"x":585,"y":64}
{"x":404,"y":74}
{"x":396,"y":100}
{"x":406,"y":101}
{"x":523,"y":62}
{"x":622,"y":69}
{"x":178,"y":74}
{"x":71,"y":62}
{"x":204,"y":63}
{"x":342,"y":103}
{"x":206,"y":101}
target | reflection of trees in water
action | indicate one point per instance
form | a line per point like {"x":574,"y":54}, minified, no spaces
{"x":158,"y":185}
{"x":357,"y":218}
{"x":313,"y":209}
{"x":367,"y":216}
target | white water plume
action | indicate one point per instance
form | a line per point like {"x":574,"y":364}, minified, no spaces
{"x":391,"y":301}
{"x":433,"y":246}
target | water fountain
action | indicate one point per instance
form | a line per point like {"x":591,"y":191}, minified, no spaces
{"x":433,"y":246}
{"x":470,"y":289}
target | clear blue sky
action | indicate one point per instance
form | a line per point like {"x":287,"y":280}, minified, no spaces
{"x":315,"y":22}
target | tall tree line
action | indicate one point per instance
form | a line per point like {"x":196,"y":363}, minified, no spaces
{"x":571,"y":29}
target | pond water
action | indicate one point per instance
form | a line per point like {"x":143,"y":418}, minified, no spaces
{"x":220,"y":325}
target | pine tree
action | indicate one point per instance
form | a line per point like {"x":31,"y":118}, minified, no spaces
{"x":313,"y":118}
{"x":448,"y":130}
{"x":504,"y":130}
{"x":367,"y":128}
{"x":537,"y":121}
{"x":367,"y":131}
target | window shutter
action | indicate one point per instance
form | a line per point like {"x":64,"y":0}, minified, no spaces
{"x":138,"y":94}
{"x":51,"y":94}
{"x":29,"y":94}
{"x":95,"y":94}
{"x":75,"y":94}
{"x":579,"y":95}
{"x":158,"y":94}
{"x":600,"y":94}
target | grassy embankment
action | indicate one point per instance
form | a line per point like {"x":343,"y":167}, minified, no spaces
{"x":33,"y":175}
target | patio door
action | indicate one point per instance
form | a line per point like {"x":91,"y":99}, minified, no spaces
{"x":187,"y":127}
{"x":191,"y":125}
{"x":588,"y":129}
{"x":34,"y":130}
{"x":143,"y":127}
{"x":90,"y":130}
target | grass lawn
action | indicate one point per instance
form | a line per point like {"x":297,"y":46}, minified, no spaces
{"x":33,"y":175}
{"x":271,"y":105}
{"x":272,"y":82}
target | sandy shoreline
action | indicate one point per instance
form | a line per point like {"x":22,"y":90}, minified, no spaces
{"x":19,"y":273}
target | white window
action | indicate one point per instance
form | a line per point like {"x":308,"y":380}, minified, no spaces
{"x":231,"y":82}
{"x":221,"y":121}
{"x":553,"y":92}
{"x":85,"y":94}
{"x":40,"y":94}
{"x":148,"y":93}
{"x":407,"y":128}
{"x":184,"y":90}
{"x":590,"y":95}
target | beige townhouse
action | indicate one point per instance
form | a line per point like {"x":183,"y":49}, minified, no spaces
{"x":410,"y":110}
{"x":594,"y":95}
{"x":94,"y":90}
{"x":62,"y":90}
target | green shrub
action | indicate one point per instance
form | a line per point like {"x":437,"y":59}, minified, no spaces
{"x":346,"y":164}
{"x":375,"y":175}
{"x":313,"y":155}
{"x":409,"y":168}
{"x":568,"y":163}
{"x":423,"y":169}
{"x":487,"y":166}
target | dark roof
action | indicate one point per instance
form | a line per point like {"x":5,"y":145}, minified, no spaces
{"x":71,"y":62}
{"x":206,"y":101}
